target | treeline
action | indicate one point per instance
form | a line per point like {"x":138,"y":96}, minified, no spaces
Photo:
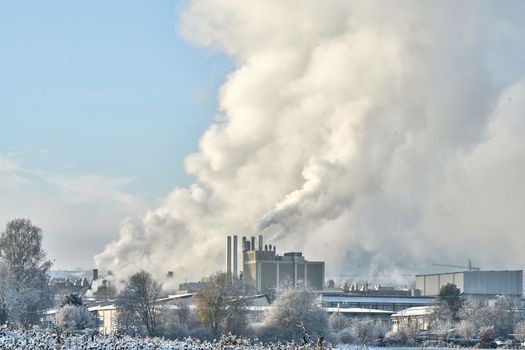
{"x":219,"y":308}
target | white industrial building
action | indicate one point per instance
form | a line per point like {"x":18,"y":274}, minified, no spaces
{"x":483,"y":285}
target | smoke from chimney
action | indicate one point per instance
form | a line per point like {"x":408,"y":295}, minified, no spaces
{"x":351,"y":131}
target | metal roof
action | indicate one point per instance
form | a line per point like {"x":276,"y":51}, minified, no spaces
{"x":377,"y":299}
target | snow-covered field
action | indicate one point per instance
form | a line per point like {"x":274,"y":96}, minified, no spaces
{"x":40,"y":339}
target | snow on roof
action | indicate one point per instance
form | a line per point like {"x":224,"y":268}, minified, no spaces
{"x":102,"y":308}
{"x":176,"y":296}
{"x":357,"y":310}
{"x":415,"y":311}
{"x":377,"y":299}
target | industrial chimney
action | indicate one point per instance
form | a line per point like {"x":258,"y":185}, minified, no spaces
{"x":170,"y":274}
{"x":252,"y":245}
{"x":260,"y":241}
{"x":235,"y":256}
{"x":229,"y":257}
{"x":95,"y":274}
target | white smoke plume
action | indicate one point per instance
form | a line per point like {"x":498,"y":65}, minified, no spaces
{"x":378,"y":136}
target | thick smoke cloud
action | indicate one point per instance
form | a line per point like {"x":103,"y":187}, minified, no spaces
{"x":377,"y":136}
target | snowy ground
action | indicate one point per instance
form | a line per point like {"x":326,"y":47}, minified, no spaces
{"x":39,"y":339}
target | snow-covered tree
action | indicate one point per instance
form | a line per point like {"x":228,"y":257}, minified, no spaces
{"x":442,"y":328}
{"x":486,"y":336}
{"x":338,"y":322}
{"x":365,"y":331}
{"x":505,"y":316}
{"x":448,"y":303}
{"x":466,"y":329}
{"x":519,"y":331}
{"x":72,"y":317}
{"x":23,"y":277}
{"x":291,"y":308}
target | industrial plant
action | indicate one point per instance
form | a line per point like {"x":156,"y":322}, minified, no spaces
{"x":264,"y":270}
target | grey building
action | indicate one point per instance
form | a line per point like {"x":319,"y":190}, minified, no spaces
{"x":265,"y":270}
{"x":481,"y":284}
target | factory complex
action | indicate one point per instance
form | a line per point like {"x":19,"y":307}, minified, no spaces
{"x":264,"y":271}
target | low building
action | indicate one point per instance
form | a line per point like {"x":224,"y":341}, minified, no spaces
{"x":381,"y":317}
{"x":387,"y":303}
{"x":414,"y":319}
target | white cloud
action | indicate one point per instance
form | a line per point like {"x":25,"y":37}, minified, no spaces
{"x":78,"y":214}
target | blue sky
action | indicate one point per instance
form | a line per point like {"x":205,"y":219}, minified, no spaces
{"x":97,"y":94}
{"x":104,"y":87}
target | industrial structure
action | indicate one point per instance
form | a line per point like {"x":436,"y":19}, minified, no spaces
{"x":483,"y":285}
{"x":388,"y":303}
{"x":265,"y":270}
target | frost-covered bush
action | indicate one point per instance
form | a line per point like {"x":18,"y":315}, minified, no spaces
{"x":338,"y":322}
{"x":364,"y":331}
{"x":292,"y":308}
{"x":33,"y":339}
{"x":70,"y":317}
{"x":519,"y":331}
{"x":466,"y":329}
{"x":344,"y":336}
{"x":486,"y":337}
{"x":392,"y":339}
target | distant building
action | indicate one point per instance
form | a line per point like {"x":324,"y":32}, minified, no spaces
{"x":484,"y":285}
{"x":387,"y":303}
{"x":265,"y":270}
{"x":189,"y":287}
{"x":379,"y":317}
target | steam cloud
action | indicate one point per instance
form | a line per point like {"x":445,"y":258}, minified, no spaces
{"x":377,"y":136}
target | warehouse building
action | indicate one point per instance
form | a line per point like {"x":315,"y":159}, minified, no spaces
{"x":264,"y":270}
{"x":484,"y":285}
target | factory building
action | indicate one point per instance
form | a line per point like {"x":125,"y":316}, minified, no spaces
{"x":265,"y":270}
{"x":484,"y":285}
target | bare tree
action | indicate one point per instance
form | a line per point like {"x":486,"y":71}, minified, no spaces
{"x":220,"y":305}
{"x":23,"y":272}
{"x":138,"y":301}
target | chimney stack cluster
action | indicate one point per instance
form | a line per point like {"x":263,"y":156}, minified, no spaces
{"x":231,"y":257}
{"x":246,"y":244}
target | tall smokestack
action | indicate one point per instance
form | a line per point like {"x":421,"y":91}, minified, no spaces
{"x":170,"y":274}
{"x":260,"y":241}
{"x":243,"y":246}
{"x":95,"y":274}
{"x":235,"y":256}
{"x":229,"y":257}
{"x":252,"y":245}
